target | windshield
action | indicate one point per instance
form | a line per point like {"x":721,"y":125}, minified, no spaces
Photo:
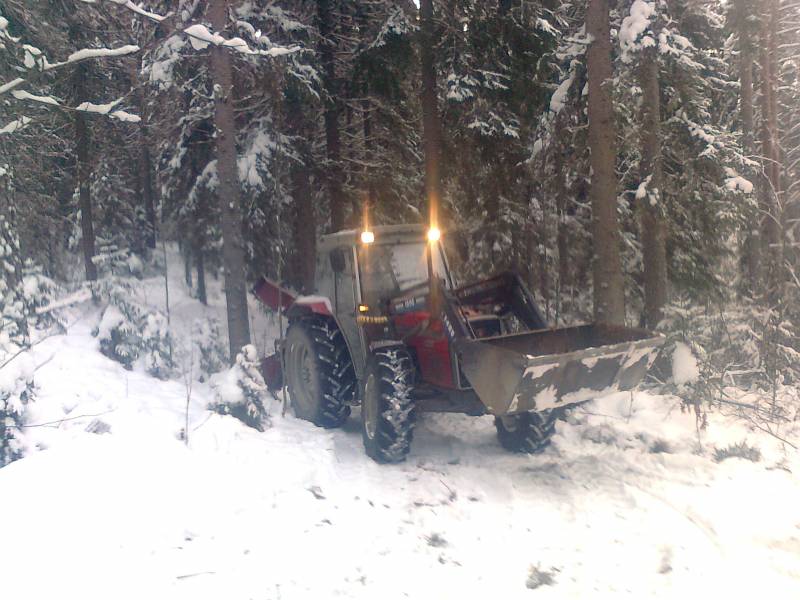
{"x":389,"y":270}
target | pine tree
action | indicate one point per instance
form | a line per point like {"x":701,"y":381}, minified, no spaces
{"x":609,"y":293}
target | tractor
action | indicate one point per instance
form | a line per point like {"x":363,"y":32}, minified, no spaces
{"x":389,"y":329}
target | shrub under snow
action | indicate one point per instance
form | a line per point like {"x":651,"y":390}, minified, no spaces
{"x":240,"y":391}
{"x":209,"y":347}
{"x":16,"y":390}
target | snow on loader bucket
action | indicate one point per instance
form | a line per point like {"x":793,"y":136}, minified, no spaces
{"x":551,"y":368}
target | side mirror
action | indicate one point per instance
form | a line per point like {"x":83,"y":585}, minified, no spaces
{"x":338,"y":262}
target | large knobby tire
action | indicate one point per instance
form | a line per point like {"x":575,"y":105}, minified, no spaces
{"x":319,"y":372}
{"x":387,"y":406}
{"x":527,"y":433}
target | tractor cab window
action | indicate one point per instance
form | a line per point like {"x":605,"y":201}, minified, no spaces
{"x":390,"y":270}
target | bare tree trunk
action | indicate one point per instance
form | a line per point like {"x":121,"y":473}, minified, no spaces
{"x":432,"y":127}
{"x":199,"y":262}
{"x":229,"y":190}
{"x":752,"y":242}
{"x":186,"y":252}
{"x":651,"y":209}
{"x":333,"y":140}
{"x":303,"y":219}
{"x":562,"y":233}
{"x":82,"y":141}
{"x":770,"y":151}
{"x":146,"y":186}
{"x":145,"y":162}
{"x":609,"y":293}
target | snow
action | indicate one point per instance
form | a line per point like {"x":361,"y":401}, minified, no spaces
{"x":135,"y":8}
{"x":88,"y":53}
{"x":684,"y":365}
{"x":23,"y":95}
{"x":15,"y":125}
{"x":108,"y":109}
{"x":559,"y":98}
{"x":736,"y":183}
{"x":627,"y":502}
{"x":200,"y":38}
{"x":634,"y":26}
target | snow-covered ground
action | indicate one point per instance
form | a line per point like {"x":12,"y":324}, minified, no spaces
{"x":628,"y":501}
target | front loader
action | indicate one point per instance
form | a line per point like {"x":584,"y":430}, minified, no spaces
{"x":388,"y":329}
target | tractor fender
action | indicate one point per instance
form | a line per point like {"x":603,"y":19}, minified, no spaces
{"x":305,"y":306}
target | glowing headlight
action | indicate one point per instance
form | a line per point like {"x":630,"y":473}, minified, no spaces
{"x":367,"y":237}
{"x":434,"y":234}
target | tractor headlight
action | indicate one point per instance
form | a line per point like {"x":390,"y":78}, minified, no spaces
{"x":367,"y":237}
{"x":434,"y":234}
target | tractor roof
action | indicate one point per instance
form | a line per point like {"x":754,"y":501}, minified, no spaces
{"x":383,"y":234}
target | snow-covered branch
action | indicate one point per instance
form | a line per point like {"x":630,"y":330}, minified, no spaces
{"x":88,"y":107}
{"x":134,"y":8}
{"x":201,"y":38}
{"x":76,"y":57}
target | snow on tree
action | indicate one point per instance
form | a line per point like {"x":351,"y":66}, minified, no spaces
{"x":16,"y":365}
{"x":208,"y":347}
{"x":240,"y":391}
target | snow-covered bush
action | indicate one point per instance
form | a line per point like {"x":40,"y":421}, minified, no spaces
{"x":240,"y":391}
{"x":38,"y":291}
{"x":119,"y":336}
{"x":13,"y":312}
{"x":747,"y":359}
{"x":157,"y":345}
{"x":741,"y":450}
{"x":16,"y":390}
{"x":128,"y":330}
{"x":16,"y":366}
{"x":209,"y":347}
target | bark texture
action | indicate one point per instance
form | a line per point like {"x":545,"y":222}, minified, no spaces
{"x":333,"y":140}
{"x":84,"y":172}
{"x":228,"y":190}
{"x":431,"y":124}
{"x":609,"y":293}
{"x":651,"y":209}
{"x":770,"y":193}
{"x":752,"y":242}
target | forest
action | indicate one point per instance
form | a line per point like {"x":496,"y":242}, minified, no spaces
{"x":636,"y":162}
{"x":243,"y":130}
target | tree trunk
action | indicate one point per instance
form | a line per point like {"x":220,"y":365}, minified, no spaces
{"x":146,"y":186}
{"x":82,"y":141}
{"x":229,"y":190}
{"x":199,"y":262}
{"x":651,"y":207}
{"x":369,"y":151}
{"x":609,"y":293}
{"x":752,"y":242}
{"x":333,"y":142}
{"x":304,"y":230}
{"x":431,"y":125}
{"x":769,"y":150}
{"x":186,"y":251}
{"x":562,"y":233}
{"x":303,"y":218}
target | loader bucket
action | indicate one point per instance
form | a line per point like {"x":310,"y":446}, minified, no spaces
{"x":551,"y":368}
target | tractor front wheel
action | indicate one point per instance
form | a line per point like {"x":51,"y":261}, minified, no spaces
{"x":528,"y":432}
{"x":319,"y":372}
{"x":387,"y":406}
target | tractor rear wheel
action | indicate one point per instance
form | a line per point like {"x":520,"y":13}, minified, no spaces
{"x":387,"y":406}
{"x":319,"y":372}
{"x":528,"y":432}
